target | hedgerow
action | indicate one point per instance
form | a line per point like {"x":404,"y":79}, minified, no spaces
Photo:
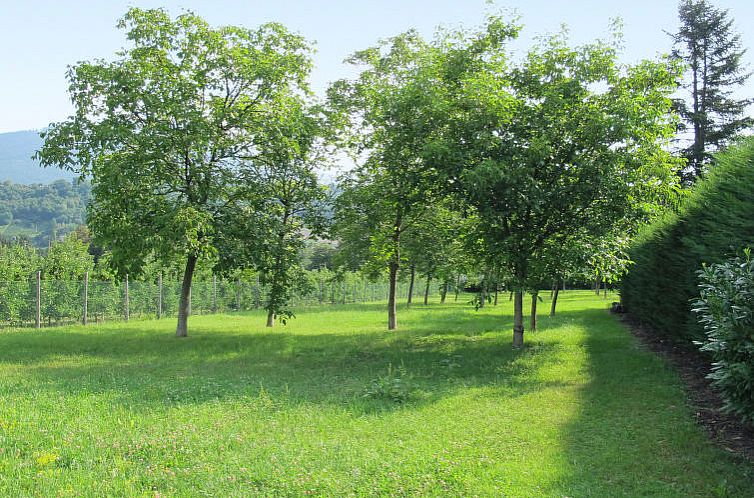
{"x":714,"y":223}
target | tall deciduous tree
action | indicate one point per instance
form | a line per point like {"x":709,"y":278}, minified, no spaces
{"x":708,"y":44}
{"x":169,"y":133}
{"x":293,"y":205}
{"x":565,"y":143}
{"x":393,"y":112}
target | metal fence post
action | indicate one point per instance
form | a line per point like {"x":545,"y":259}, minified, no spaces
{"x":257,"y":295}
{"x":125,"y":301}
{"x":86,"y":299}
{"x":214,"y":293}
{"x":38,"y":321}
{"x":159,"y":296}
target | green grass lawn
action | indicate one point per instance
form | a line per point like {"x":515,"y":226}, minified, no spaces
{"x":335,"y":405}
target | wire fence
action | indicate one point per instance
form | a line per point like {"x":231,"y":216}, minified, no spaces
{"x":40,"y":303}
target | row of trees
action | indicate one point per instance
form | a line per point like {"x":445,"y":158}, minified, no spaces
{"x":201,"y":144}
{"x":58,"y":280}
{"x":543,"y":163}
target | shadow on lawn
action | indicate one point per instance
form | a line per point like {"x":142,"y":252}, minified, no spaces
{"x":443,"y":350}
{"x":634,"y":434}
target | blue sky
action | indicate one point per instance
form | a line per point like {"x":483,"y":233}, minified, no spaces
{"x":40,"y":38}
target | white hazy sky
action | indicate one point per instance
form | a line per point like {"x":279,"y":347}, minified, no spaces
{"x":40,"y":38}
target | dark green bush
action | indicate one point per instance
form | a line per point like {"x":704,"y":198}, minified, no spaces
{"x":714,"y":223}
{"x":726,"y":309}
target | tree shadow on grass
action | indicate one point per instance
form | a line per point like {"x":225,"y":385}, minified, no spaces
{"x":634,"y":434}
{"x":439,"y":354}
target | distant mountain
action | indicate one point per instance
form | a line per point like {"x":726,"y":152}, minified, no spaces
{"x":16,"y":164}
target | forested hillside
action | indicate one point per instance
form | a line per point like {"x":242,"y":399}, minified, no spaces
{"x":16,"y":164}
{"x":39,"y":212}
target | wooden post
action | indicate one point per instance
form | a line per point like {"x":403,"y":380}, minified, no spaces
{"x":86,"y":299}
{"x":238,"y":294}
{"x":38,"y":321}
{"x":214,"y":293}
{"x":159,"y":296}
{"x":125,"y":301}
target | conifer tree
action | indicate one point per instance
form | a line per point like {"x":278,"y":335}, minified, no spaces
{"x":712,"y":51}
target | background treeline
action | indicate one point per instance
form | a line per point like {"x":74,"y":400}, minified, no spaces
{"x":40,"y":213}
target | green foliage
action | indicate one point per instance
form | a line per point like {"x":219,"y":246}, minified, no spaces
{"x":562,"y":160}
{"x":42,"y":213}
{"x":726,"y":309}
{"x":712,"y":224}
{"x":713,"y":54}
{"x":564,"y":146}
{"x":394,"y":385}
{"x":175,"y":131}
{"x":391,"y":116}
{"x":318,"y":254}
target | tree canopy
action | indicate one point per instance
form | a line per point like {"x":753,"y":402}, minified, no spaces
{"x":172,"y":130}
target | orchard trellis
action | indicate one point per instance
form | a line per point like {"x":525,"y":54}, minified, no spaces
{"x":39,"y":302}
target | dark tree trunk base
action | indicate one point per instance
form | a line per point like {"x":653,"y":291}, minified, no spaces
{"x":518,"y":319}
{"x":554,"y":300}
{"x":184,"y":304}
{"x":392,"y":318}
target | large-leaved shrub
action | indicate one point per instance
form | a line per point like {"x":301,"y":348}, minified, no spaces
{"x":726,"y":310}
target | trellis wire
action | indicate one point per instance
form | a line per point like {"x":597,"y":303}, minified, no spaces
{"x":40,"y":302}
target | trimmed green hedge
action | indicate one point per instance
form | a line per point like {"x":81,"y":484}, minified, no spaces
{"x":715,"y":222}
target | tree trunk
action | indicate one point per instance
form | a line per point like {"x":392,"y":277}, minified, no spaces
{"x":496,"y":293}
{"x":270,"y":318}
{"x":444,"y":292}
{"x":392,"y":319}
{"x":184,"y":304}
{"x":395,"y":261}
{"x":597,"y":285}
{"x":605,"y":289}
{"x":533,"y":318}
{"x":426,"y":289}
{"x":458,"y":287}
{"x":556,"y":290}
{"x":518,"y":319}
{"x":411,"y":286}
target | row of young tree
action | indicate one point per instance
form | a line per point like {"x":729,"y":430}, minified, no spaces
{"x":540,"y":160}
{"x":201,"y":144}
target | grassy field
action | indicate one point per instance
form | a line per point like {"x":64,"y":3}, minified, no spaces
{"x":334,"y":405}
